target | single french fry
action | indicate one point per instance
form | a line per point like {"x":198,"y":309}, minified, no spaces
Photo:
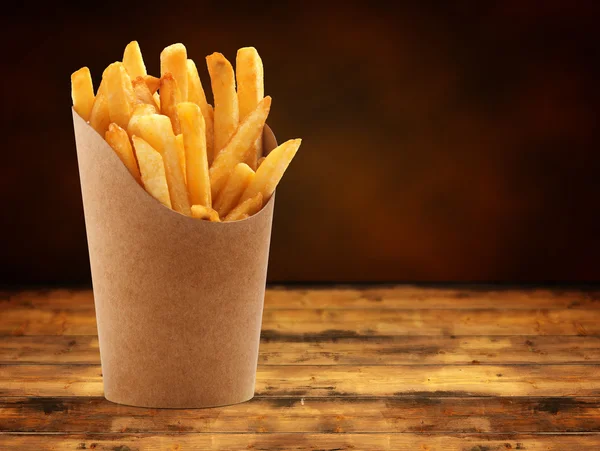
{"x":247,"y":207}
{"x":226,"y":117}
{"x":169,"y":98}
{"x":232,"y":191}
{"x":204,"y":212}
{"x":181,"y":155}
{"x":119,"y":91}
{"x":157,"y":99}
{"x":250,"y":90}
{"x":133,"y":60}
{"x":241,"y":142}
{"x":153,"y":83}
{"x":118,"y":139}
{"x":271,"y":170}
{"x":142,"y":92}
{"x":156,"y":129}
{"x":173,"y":60}
{"x":141,"y":109}
{"x":210,"y":134}
{"x":82,"y":92}
{"x":135,"y":128}
{"x":196,"y":95}
{"x":260,"y":161}
{"x":194,"y":139}
{"x":99,"y":116}
{"x":152,"y":171}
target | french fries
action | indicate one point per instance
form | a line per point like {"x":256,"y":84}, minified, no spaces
{"x":230,"y":195}
{"x":169,"y":98}
{"x":133,"y":61}
{"x":99,"y":116}
{"x":156,"y":128}
{"x":250,"y":90}
{"x":153,"y":83}
{"x":226,"y":117}
{"x":203,"y":212}
{"x":239,"y":146}
{"x":173,"y":60}
{"x":181,"y":154}
{"x":200,"y":161}
{"x":152,"y":171}
{"x":246,"y":208}
{"x":271,"y":170}
{"x":196,"y":95}
{"x":118,"y":139}
{"x":142,"y":92}
{"x":82,"y":92}
{"x":196,"y":162}
{"x":121,"y":97}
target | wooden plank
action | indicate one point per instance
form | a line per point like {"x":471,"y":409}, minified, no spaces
{"x":372,"y":322}
{"x":332,"y":349}
{"x":322,"y":415}
{"x":297,"y":442}
{"x":375,"y":296}
{"x":350,"y":381}
{"x":427,"y":297}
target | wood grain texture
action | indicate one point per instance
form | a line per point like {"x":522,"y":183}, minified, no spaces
{"x":337,"y":349}
{"x":367,"y":297}
{"x":340,"y":368}
{"x":372,"y":322}
{"x":297,"y":442}
{"x":321,"y":415}
{"x":332,"y":380}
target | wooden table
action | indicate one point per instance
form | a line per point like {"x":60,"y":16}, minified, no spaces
{"x":371,"y":368}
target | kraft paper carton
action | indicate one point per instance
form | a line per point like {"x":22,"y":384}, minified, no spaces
{"x":178,"y":300}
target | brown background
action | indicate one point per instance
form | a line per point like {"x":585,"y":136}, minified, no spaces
{"x":441,"y":143}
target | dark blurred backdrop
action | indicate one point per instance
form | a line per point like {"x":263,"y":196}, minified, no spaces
{"x":448,"y":142}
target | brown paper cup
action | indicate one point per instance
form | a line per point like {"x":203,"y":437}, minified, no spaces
{"x":178,"y":301}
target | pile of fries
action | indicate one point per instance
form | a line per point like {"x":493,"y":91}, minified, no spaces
{"x":198,"y":160}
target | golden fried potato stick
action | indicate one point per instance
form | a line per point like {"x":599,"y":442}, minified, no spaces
{"x":119,"y":91}
{"x":82,"y":92}
{"x":133,"y":60}
{"x":246,"y":208}
{"x":259,"y":162}
{"x":196,"y":95}
{"x":153,"y":83}
{"x":173,"y":60}
{"x":169,"y":98}
{"x":181,"y":155}
{"x":236,"y":184}
{"x":194,"y":139}
{"x":157,"y":99}
{"x":226,"y":117}
{"x":141,"y":109}
{"x":250,"y":90}
{"x":99,"y":116}
{"x":271,"y":170}
{"x":203,"y":212}
{"x":152,"y":170}
{"x":118,"y":139}
{"x":142,"y":92}
{"x":238,"y":147}
{"x":157,"y":131}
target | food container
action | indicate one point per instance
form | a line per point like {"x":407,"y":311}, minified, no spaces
{"x":178,"y":300}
